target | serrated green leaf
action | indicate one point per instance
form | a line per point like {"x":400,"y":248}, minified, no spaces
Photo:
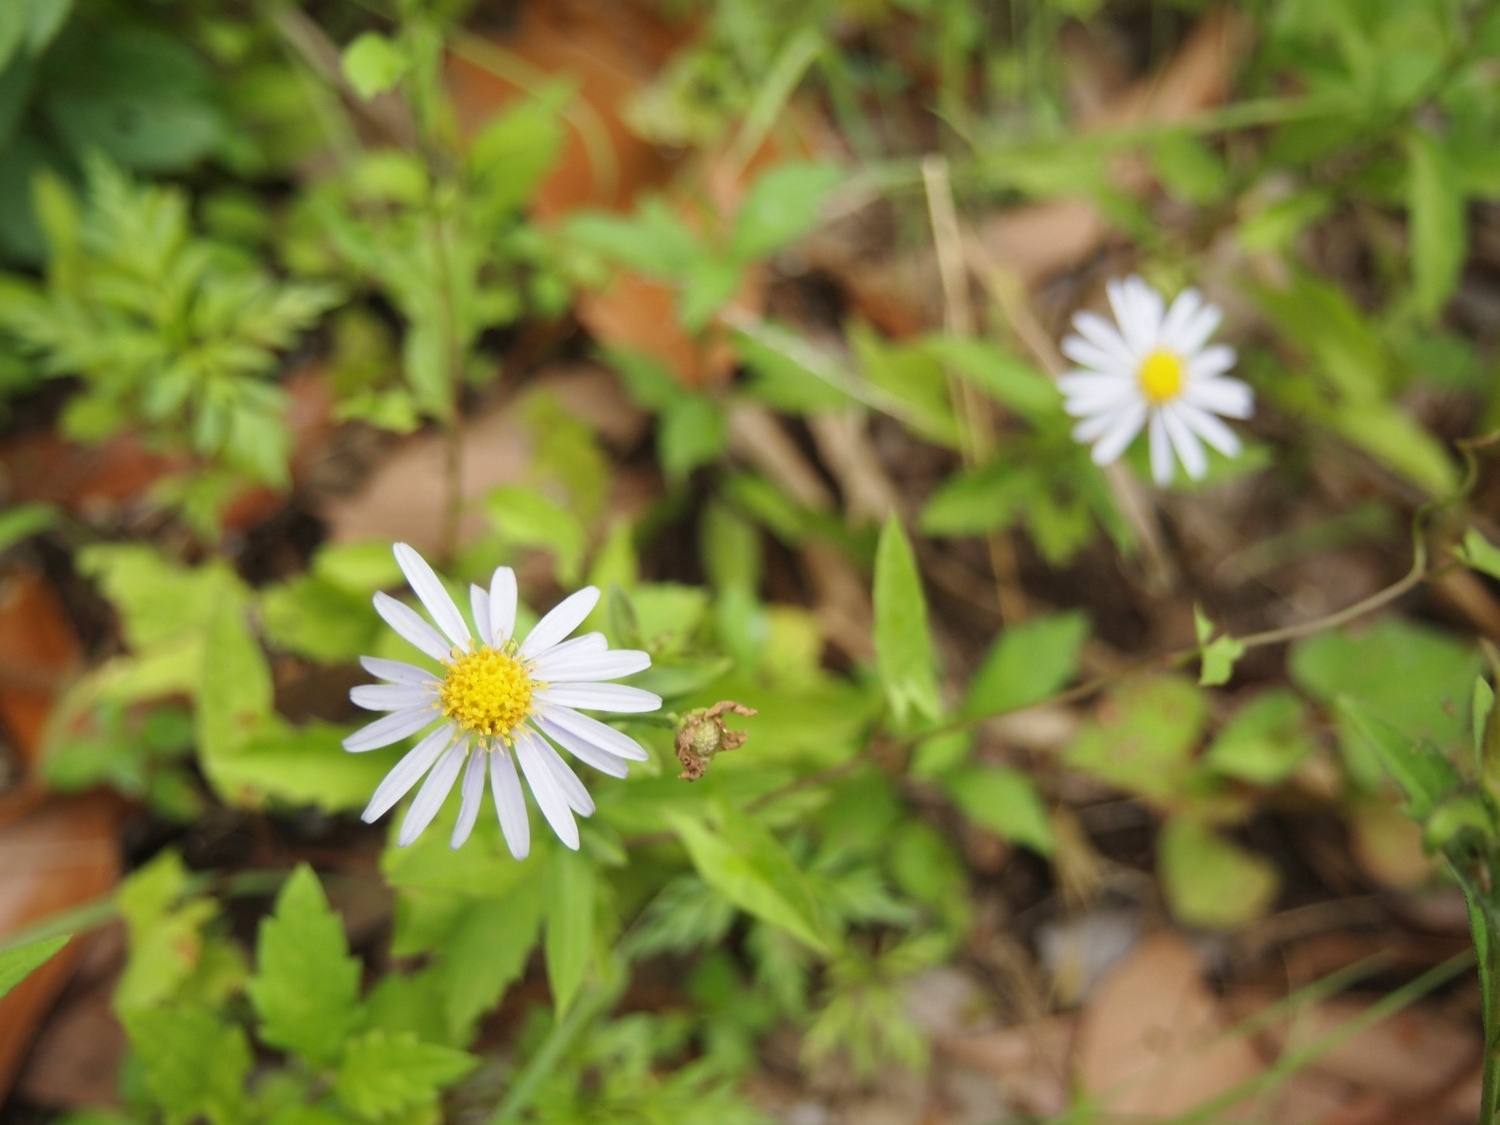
{"x":194,"y":1063}
{"x":750,"y":868}
{"x":569,"y":941}
{"x":1435,"y":206}
{"x":382,"y":1074}
{"x":19,"y":963}
{"x":306,"y":985}
{"x":903,"y":642}
{"x":1027,"y":663}
{"x":1210,"y":881}
{"x":1006,"y":802}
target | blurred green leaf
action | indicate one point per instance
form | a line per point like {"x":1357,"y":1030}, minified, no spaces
{"x":1425,"y":776}
{"x":1027,"y":663}
{"x":1006,"y":802}
{"x":1144,"y":737}
{"x":382,"y":1074}
{"x":192,"y":1061}
{"x":1210,"y":881}
{"x":1479,"y":553}
{"x":20,"y":962}
{"x":1265,"y":741}
{"x":903,"y":642}
{"x":781,"y":206}
{"x":373,"y":64}
{"x":1435,"y":205}
{"x":569,"y":938}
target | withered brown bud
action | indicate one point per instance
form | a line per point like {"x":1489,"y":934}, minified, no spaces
{"x":702,"y":733}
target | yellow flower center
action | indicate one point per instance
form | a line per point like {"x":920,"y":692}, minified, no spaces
{"x":488,"y":691}
{"x":1161,"y":375}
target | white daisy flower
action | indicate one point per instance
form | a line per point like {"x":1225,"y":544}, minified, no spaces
{"x":1153,"y":371}
{"x":497,"y":702}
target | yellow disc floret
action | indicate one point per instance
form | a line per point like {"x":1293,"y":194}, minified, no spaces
{"x":1161,"y":376}
{"x":487,"y":691}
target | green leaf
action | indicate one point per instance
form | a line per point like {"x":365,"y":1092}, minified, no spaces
{"x":301,"y":766}
{"x":23,"y":521}
{"x":1145,"y":736}
{"x":981,"y":500}
{"x":1394,"y":438}
{"x":1189,"y":169}
{"x":750,"y":868}
{"x":1006,"y":802}
{"x":306,"y":986}
{"x":569,"y":941}
{"x":1028,"y":662}
{"x":781,"y":206}
{"x":373,"y":64}
{"x":1002,"y":375}
{"x":1218,"y":656}
{"x":18,"y":963}
{"x":903,"y":643}
{"x":910,"y":380}
{"x":1210,"y":881}
{"x":1264,"y":742}
{"x":691,"y":433}
{"x":528,"y":518}
{"x":382,"y":1074}
{"x":515,"y":149}
{"x":1425,"y":776}
{"x":234,"y":695}
{"x":1479,"y":553}
{"x":487,"y":951}
{"x":1435,"y":205}
{"x":194,"y":1063}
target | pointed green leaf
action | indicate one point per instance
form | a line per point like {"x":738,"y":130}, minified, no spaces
{"x":1435,"y":205}
{"x":569,"y":941}
{"x":780,"y":207}
{"x":903,"y":644}
{"x":194,"y":1064}
{"x":1006,"y":802}
{"x":1028,"y":662}
{"x":306,"y":986}
{"x":382,"y":1074}
{"x":1210,"y":881}
{"x":1424,"y":775}
{"x":18,"y":963}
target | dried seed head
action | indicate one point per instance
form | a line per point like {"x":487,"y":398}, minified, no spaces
{"x":702,"y":733}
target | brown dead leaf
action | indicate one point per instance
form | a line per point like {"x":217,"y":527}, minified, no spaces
{"x":1029,"y":1062}
{"x":57,"y":856}
{"x":38,"y":650}
{"x":1152,"y":1042}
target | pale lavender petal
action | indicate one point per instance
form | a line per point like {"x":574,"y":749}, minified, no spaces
{"x":473,"y":794}
{"x":544,"y":787}
{"x":1209,"y":428}
{"x":502,"y":604}
{"x":390,"y":728}
{"x":582,"y":749}
{"x":409,"y":624}
{"x":587,"y":644}
{"x":599,"y":697}
{"x":1161,"y":451}
{"x":407,"y":772}
{"x":561,"y":620}
{"x":430,"y":590}
{"x":510,"y":803}
{"x":433,"y":793}
{"x":1183,"y":309}
{"x":1127,"y":423}
{"x":396,"y":671}
{"x":479,"y":602}
{"x":1229,"y":397}
{"x":587,"y":666}
{"x":391,"y":697}
{"x":591,"y":730}
{"x":1104,"y":336}
{"x":573,"y":790}
{"x":1189,"y":448}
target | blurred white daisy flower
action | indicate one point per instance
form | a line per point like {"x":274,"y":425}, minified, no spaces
{"x":1153,"y":371}
{"x":497,"y":702}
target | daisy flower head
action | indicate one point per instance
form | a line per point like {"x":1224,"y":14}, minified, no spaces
{"x":498,"y":702}
{"x":1154,"y":369}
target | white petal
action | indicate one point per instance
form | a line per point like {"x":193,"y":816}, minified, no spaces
{"x":1183,"y":309}
{"x":1196,"y":332}
{"x":1189,"y":448}
{"x":1094,"y":358}
{"x":1094,"y":394}
{"x":1089,"y":429}
{"x":390,"y":728}
{"x":391,"y":697}
{"x":573,"y":790}
{"x":473,"y":794}
{"x":1211,"y":361}
{"x":397,"y":784}
{"x":409,"y":624}
{"x":1138,"y":311}
{"x":599,"y":697}
{"x":429,"y":588}
{"x":544,"y":787}
{"x":479,"y":602}
{"x":502,"y":604}
{"x":433,"y":793}
{"x":583,"y":750}
{"x":591,"y":730}
{"x":1209,"y":428}
{"x":510,"y":803}
{"x":591,"y":666}
{"x":561,"y":620}
{"x":1161,"y":451}
{"x":1228,"y":397}
{"x":1104,"y":336}
{"x":1127,"y":423}
{"x":396,"y":671}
